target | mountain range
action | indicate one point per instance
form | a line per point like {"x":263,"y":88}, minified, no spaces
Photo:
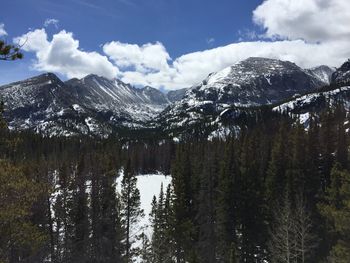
{"x":98,"y":106}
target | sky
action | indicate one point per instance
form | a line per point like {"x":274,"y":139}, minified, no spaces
{"x":169,"y":44}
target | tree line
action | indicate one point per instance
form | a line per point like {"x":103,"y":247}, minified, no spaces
{"x":277,"y":192}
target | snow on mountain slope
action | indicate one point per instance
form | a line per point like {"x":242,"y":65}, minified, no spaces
{"x":331,"y":96}
{"x":303,"y":106}
{"x":98,"y":106}
{"x":41,"y":104}
{"x":342,"y":74}
{"x":93,"y":105}
{"x":249,"y":83}
{"x":176,"y":95}
{"x":322,"y":73}
{"x":120,"y":98}
{"x":254,"y":81}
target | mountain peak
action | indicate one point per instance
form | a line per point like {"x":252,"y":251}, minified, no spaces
{"x":255,"y":81}
{"x":342,"y":74}
{"x":95,"y":77}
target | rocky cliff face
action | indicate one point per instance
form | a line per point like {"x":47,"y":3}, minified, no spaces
{"x":342,"y":74}
{"x":92,"y":105}
{"x":250,"y":83}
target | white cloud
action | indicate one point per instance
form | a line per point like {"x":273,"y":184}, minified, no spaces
{"x":145,"y":58}
{"x":51,"y":21}
{"x":34,"y":41}
{"x":192,"y":68}
{"x":311,"y":20}
{"x":2,"y":30}
{"x":62,"y":55}
{"x":306,"y":32}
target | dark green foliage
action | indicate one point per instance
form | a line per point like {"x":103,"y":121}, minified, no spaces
{"x":9,"y":52}
{"x":130,"y":211}
{"x":336,"y":209}
{"x":221,"y":205}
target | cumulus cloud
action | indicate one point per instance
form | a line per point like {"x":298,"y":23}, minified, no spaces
{"x":62,"y":55}
{"x":308,"y":33}
{"x":145,"y":58}
{"x":51,"y":21}
{"x":192,"y":68}
{"x":2,"y":30}
{"x":311,"y":20}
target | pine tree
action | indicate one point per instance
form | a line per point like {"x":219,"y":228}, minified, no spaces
{"x":327,"y":146}
{"x":313,"y":181}
{"x":131,"y":210}
{"x":146,"y":254}
{"x":336,"y":209}
{"x":183,"y":206}
{"x":251,"y":229}
{"x":206,"y":211}
{"x":275,"y":178}
{"x":17,"y":195}
{"x":225,"y":204}
{"x":341,"y":154}
{"x":9,"y":52}
{"x":110,"y":221}
{"x":80,"y":215}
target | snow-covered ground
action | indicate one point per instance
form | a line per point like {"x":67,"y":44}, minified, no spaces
{"x":148,"y":185}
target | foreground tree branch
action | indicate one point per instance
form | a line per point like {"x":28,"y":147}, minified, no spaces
{"x":10,"y":52}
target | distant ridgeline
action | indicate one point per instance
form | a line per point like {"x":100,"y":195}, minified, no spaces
{"x":223,"y":104}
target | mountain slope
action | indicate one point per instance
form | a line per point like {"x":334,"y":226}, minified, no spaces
{"x":98,"y":106}
{"x":342,"y":74}
{"x":121,"y":99}
{"x":255,"y":81}
{"x":92,"y":105}
{"x":250,"y":83}
{"x":322,"y":73}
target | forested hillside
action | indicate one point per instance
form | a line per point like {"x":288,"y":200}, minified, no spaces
{"x":277,"y":192}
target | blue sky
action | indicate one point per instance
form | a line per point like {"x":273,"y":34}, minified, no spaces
{"x":164,"y":43}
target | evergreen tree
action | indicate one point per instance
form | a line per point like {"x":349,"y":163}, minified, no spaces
{"x":336,"y":209}
{"x":251,"y":223}
{"x":183,"y":206}
{"x":275,"y":178}
{"x":226,"y":191}
{"x":131,"y":211}
{"x":80,"y":215}
{"x":18,"y":235}
{"x":146,"y":254}
{"x":9,"y":52}
{"x":206,"y":211}
{"x":110,"y":221}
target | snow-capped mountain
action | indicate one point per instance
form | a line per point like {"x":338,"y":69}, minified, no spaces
{"x":322,"y":73}
{"x":115,"y":96}
{"x":176,"y":95}
{"x":92,"y":105}
{"x":98,"y":106}
{"x":255,"y":81}
{"x":315,"y":102}
{"x":249,"y":83}
{"x":342,"y":74}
